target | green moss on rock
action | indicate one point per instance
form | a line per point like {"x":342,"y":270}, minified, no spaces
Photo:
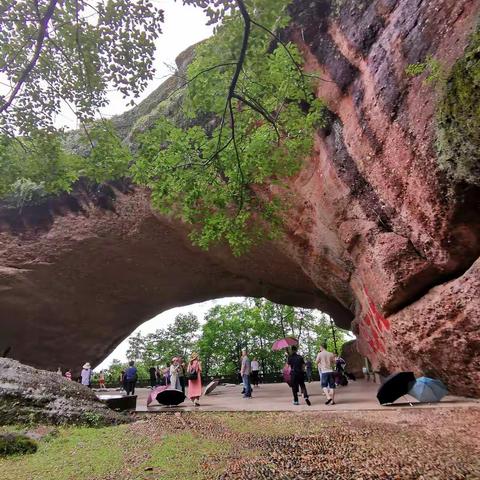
{"x":16,"y":444}
{"x":458,"y":125}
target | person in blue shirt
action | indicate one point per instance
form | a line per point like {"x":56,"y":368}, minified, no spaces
{"x":131,"y":378}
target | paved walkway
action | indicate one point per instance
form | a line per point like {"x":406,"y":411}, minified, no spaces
{"x":359,"y":395}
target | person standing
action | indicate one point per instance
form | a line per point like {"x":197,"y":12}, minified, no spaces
{"x":245,"y":373}
{"x":152,"y":371}
{"x":255,"y":371}
{"x":68,"y":375}
{"x":101,"y":380}
{"x":297,"y":375}
{"x":87,"y":375}
{"x":159,"y":376}
{"x":174,"y":374}
{"x":308,"y":369}
{"x":123,"y":382}
{"x":194,"y":375}
{"x":131,"y":378}
{"x":326,"y":362}
{"x":181,"y":373}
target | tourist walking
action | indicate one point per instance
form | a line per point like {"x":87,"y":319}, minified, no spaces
{"x":152,"y":371}
{"x":297,"y":376}
{"x":326,"y":362}
{"x":86,"y":375}
{"x":174,"y":374}
{"x":308,"y":369}
{"x":194,"y":375}
{"x":245,"y":373}
{"x":131,"y":378}
{"x":255,"y":371}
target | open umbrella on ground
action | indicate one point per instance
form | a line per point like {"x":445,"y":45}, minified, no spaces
{"x":428,"y":390}
{"x":284,"y":343}
{"x":211,"y":387}
{"x":170,"y":397}
{"x":395,"y":386}
{"x":153,"y":394}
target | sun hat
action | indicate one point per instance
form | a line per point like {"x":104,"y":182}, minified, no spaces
{"x":87,"y":365}
{"x":194,"y":356}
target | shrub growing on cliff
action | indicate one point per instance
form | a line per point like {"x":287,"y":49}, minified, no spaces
{"x":458,"y":121}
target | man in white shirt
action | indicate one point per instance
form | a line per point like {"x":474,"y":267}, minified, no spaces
{"x":326,"y":365}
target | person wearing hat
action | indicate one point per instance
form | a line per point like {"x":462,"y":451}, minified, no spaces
{"x":194,"y":375}
{"x":175,"y":374}
{"x":87,"y":375}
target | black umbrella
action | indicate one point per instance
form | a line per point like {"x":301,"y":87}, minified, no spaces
{"x":170,"y":397}
{"x":395,"y":386}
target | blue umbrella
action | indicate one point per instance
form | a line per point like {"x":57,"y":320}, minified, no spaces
{"x":428,"y":390}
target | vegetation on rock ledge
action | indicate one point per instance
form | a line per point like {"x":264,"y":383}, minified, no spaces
{"x":458,"y":124}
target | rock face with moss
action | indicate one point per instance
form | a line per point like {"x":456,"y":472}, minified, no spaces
{"x":381,"y":233}
{"x":28,"y":395}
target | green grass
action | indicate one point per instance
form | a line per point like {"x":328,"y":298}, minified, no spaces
{"x":186,"y":456}
{"x":81,"y":453}
{"x":74,"y":454}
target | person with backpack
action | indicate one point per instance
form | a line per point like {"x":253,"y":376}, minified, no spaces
{"x":194,"y":371}
{"x":131,"y":378}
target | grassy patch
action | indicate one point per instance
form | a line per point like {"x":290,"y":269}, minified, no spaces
{"x":74,"y":454}
{"x":271,"y":424}
{"x":185,"y":455}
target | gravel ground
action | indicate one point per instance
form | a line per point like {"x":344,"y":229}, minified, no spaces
{"x":396,"y":444}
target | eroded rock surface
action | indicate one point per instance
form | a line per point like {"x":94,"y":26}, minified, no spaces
{"x":378,"y":233}
{"x":28,"y":395}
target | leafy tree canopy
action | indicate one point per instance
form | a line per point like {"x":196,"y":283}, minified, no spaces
{"x":253,"y":108}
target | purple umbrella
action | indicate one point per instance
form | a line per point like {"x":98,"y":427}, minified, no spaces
{"x":153,"y":394}
{"x":284,"y":343}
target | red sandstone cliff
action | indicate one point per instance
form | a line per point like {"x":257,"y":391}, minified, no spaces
{"x":378,"y":234}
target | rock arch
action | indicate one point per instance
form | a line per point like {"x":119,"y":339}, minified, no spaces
{"x":378,"y":236}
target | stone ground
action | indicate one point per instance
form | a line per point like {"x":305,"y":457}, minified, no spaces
{"x":359,"y":395}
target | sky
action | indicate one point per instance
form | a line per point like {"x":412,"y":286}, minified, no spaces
{"x":161,"y":321}
{"x":183,"y":27}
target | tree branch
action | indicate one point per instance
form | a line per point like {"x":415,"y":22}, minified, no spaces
{"x":42,"y":33}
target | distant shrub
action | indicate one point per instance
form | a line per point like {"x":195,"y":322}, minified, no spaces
{"x":26,"y":192}
{"x":16,"y":444}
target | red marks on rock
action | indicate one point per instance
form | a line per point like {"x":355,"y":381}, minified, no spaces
{"x":373,"y":325}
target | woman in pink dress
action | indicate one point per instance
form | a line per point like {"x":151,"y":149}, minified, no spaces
{"x":194,"y":384}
